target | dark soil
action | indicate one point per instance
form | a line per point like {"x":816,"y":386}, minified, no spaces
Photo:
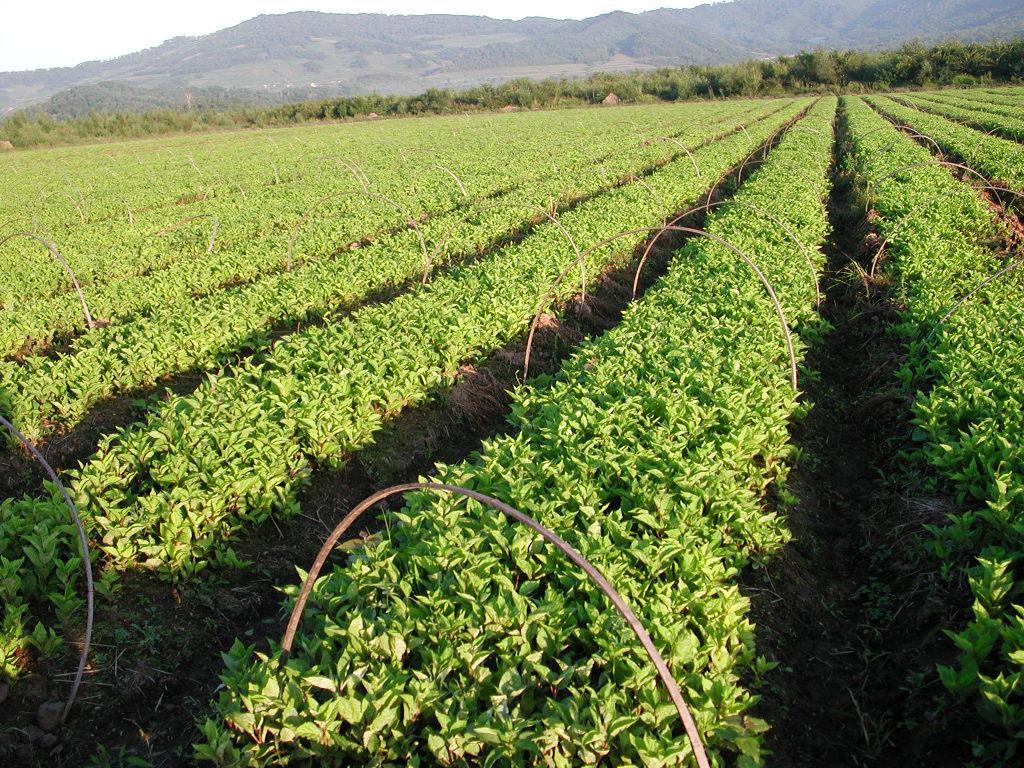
{"x":853,"y":607}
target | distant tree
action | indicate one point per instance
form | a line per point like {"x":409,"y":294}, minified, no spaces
{"x":817,"y":67}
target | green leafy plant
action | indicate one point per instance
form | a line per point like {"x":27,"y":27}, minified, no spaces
{"x":169,"y":493}
{"x":461,"y":638}
{"x":968,"y":383}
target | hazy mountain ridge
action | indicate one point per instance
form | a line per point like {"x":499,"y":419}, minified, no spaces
{"x":290,"y":56}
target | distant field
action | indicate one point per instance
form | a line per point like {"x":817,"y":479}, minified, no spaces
{"x":759,"y":362}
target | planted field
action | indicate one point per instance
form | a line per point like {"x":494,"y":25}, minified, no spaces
{"x":752,"y":366}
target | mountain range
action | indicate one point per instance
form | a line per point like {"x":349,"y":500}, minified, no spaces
{"x":287,"y":57}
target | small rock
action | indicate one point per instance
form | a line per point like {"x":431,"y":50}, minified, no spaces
{"x":48,"y":715}
{"x":34,"y":734}
{"x":230,"y":604}
{"x":35,"y":688}
{"x":49,"y":741}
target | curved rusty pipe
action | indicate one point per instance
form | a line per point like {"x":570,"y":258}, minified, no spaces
{"x":89,"y":321}
{"x":86,"y":563}
{"x":689,"y":725}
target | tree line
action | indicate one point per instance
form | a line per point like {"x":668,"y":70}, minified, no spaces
{"x":910,"y":66}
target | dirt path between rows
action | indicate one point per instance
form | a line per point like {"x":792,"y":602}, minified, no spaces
{"x":852,"y":609}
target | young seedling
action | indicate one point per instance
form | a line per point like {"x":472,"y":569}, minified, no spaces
{"x":90,"y":323}
{"x":86,"y":563}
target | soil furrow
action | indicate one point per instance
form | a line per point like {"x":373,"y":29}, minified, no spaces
{"x":851,"y":609}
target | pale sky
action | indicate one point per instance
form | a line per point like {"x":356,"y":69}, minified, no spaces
{"x":58,"y":33}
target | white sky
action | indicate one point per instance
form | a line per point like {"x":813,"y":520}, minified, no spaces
{"x":56,"y":33}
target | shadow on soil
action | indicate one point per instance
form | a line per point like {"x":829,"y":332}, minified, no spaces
{"x":852,"y":609}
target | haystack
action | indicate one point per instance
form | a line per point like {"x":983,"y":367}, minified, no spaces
{"x":611,"y":100}
{"x":5,"y":145}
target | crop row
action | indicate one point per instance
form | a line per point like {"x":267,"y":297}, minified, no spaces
{"x":108,"y":250}
{"x":989,"y":98}
{"x":111,"y":250}
{"x":178,"y":173}
{"x":1007,"y":94}
{"x":969,"y":410}
{"x":980,"y":101}
{"x":170,"y":172}
{"x":170,"y":492}
{"x":998,"y":159}
{"x":462,"y":638}
{"x":1008,"y":127}
{"x":44,"y":393}
{"x":343,"y":219}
